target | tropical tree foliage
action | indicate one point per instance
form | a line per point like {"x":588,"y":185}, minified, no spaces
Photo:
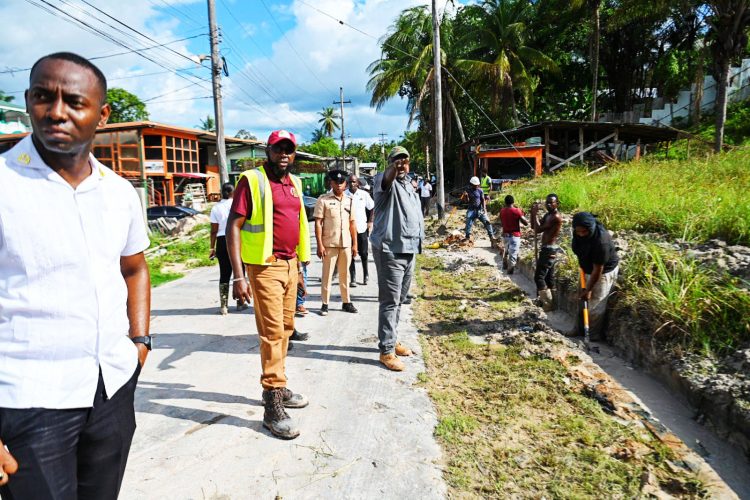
{"x":327,"y":121}
{"x":208,"y":124}
{"x":510,"y":62}
{"x":126,"y":107}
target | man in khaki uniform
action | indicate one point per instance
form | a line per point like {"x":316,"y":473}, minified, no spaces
{"x":336,"y":236}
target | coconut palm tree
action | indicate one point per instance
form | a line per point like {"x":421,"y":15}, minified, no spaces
{"x":406,"y":68}
{"x":328,"y":121}
{"x":500,"y":60}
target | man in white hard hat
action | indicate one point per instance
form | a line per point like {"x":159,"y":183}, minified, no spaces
{"x":477,"y":208}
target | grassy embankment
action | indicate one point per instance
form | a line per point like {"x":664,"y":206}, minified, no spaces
{"x":695,"y":200}
{"x":182,"y":253}
{"x":518,"y":426}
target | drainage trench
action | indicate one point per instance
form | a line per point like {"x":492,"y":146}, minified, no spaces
{"x":667,"y":405}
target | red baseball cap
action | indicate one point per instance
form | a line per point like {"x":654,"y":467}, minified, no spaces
{"x":281,"y":135}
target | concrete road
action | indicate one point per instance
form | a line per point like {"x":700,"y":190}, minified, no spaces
{"x":366,"y":434}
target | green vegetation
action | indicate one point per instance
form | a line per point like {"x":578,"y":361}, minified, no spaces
{"x":512,"y":62}
{"x":696,"y":306}
{"x":126,"y":107}
{"x":180,"y":255}
{"x":514,"y":425}
{"x":695,"y":199}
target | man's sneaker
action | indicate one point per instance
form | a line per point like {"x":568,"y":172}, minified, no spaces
{"x":275,"y":418}
{"x":353,"y":284}
{"x":324,"y":310}
{"x":402,"y":350}
{"x":242,"y":307}
{"x":348,"y":307}
{"x":293,"y":400}
{"x":299,"y":336}
{"x":364,"y":281}
{"x":392,"y":362}
{"x":301,"y":310}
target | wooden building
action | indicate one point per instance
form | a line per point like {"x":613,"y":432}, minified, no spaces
{"x":547,"y":146}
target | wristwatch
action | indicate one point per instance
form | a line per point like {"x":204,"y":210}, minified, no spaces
{"x":145,"y":340}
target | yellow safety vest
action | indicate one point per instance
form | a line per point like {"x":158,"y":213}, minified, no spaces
{"x":257,"y":232}
{"x":486,"y":183}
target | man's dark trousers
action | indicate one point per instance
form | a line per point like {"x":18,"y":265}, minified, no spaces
{"x":363,"y":241}
{"x":544,"y":275}
{"x":76,"y":454}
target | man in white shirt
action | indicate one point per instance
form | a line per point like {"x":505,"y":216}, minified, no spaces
{"x":363,"y":205}
{"x":425,"y":192}
{"x":74,"y":296}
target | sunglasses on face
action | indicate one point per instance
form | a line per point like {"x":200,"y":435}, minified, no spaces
{"x":283,"y":147}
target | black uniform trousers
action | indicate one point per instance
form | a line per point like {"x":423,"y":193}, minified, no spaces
{"x":72,"y":454}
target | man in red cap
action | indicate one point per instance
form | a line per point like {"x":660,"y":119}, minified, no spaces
{"x":267,"y":232}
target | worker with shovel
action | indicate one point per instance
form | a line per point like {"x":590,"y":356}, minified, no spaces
{"x":597,"y":258}
{"x":549,"y":227}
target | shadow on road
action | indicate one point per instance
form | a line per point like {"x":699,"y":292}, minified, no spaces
{"x":149,"y":397}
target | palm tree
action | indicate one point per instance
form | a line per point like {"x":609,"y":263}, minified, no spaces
{"x":208,"y":124}
{"x":317,"y":135}
{"x":406,"y":68}
{"x":502,"y":62}
{"x":328,"y":121}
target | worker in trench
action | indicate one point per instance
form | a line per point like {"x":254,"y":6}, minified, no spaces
{"x":549,"y":227}
{"x":597,"y":257}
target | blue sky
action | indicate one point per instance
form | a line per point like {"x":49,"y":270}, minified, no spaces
{"x":286,"y":59}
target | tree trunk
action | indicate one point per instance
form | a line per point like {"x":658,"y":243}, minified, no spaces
{"x":721,"y":103}
{"x":454,"y":111}
{"x":595,"y":61}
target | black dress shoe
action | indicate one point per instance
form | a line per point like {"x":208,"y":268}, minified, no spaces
{"x":299,"y":335}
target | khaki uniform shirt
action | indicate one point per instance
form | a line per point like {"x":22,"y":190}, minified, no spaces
{"x":336,"y":215}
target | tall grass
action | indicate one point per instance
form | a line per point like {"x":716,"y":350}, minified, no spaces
{"x":696,"y":199}
{"x":693,"y":305}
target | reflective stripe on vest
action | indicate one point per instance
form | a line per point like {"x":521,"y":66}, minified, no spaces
{"x":258,"y":228}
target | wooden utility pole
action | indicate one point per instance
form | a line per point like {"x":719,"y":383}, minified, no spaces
{"x":382,"y":147}
{"x":343,"y":132}
{"x":216,"y":69}
{"x":438,"y":100}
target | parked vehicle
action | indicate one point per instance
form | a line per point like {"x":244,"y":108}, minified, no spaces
{"x":176,"y":212}
{"x":309,"y":206}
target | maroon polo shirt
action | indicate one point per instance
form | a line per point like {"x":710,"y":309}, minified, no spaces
{"x":286,"y":208}
{"x":510,"y":217}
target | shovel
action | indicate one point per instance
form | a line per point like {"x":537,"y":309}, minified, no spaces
{"x":586,"y":333}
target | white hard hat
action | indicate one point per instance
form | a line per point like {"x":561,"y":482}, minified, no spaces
{"x":474,"y":181}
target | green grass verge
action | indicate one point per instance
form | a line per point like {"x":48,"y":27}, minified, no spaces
{"x":191,"y":253}
{"x":695,"y":199}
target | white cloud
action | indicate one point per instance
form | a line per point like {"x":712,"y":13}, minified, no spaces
{"x":334,"y":56}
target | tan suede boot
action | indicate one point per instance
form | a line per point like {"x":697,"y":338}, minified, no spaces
{"x":402,"y":350}
{"x":392,"y":362}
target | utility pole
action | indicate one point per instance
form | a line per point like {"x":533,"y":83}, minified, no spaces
{"x":437,"y":70}
{"x":382,"y":147}
{"x":216,"y":69}
{"x":343,"y":132}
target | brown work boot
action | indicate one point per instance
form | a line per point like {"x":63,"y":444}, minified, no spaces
{"x":402,"y":350}
{"x":392,"y":362}
{"x":275,"y":418}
